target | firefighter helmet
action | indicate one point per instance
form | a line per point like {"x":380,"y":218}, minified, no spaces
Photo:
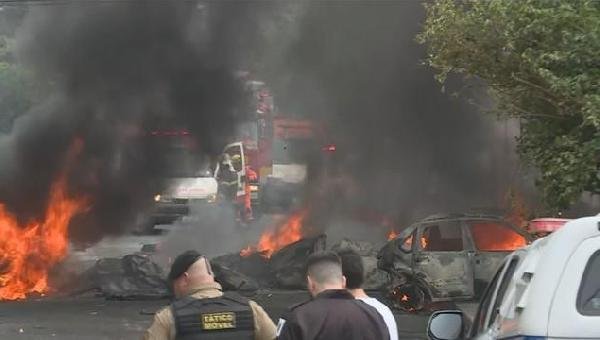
{"x":226,"y":159}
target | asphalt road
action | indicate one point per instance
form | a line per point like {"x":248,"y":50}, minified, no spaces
{"x":94,"y":318}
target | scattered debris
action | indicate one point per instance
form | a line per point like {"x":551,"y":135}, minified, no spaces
{"x":131,"y":277}
{"x":136,"y":276}
{"x":375,"y":278}
{"x":254,"y":265}
{"x":234,"y":280}
{"x":361,"y":247}
{"x":283,"y":269}
{"x":288,"y":265}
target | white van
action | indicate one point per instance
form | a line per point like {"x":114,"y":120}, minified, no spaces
{"x":548,"y":290}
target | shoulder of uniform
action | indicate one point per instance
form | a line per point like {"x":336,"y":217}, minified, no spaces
{"x":298,"y":305}
{"x":182,"y":302}
{"x":236,"y":297}
{"x":164,"y":314}
{"x":163,"y":310}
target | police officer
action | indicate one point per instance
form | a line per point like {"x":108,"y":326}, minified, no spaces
{"x":333,"y":313}
{"x":202,"y":311}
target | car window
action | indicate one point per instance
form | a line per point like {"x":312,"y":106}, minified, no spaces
{"x":479,"y":321}
{"x":588,"y":298}
{"x":442,"y":237}
{"x":407,"y":243}
{"x":506,"y":279}
{"x":494,"y":236}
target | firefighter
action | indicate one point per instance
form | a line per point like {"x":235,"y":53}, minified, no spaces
{"x":227,"y":179}
{"x":202,"y":311}
{"x":333,"y":313}
{"x":239,"y":200}
{"x":251,"y":178}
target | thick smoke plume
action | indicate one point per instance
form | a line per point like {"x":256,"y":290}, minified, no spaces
{"x":114,"y":72}
{"x":406,"y":148}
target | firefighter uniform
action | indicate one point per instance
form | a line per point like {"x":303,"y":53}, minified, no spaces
{"x":251,"y":177}
{"x":332,"y":314}
{"x":209,"y":314}
{"x":228,"y":182}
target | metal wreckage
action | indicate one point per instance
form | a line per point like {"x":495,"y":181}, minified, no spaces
{"x":436,"y":261}
{"x":446,"y":258}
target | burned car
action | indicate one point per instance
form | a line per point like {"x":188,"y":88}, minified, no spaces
{"x":446,"y":257}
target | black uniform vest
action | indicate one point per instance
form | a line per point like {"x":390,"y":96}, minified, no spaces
{"x":222,"y":318}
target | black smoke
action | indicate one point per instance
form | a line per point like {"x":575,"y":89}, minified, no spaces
{"x":405,"y":149}
{"x":112,"y":72}
{"x":410,"y":149}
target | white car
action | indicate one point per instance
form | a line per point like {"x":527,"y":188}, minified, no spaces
{"x":548,"y":290}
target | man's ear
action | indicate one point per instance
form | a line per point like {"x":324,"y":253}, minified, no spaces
{"x":343,"y":281}
{"x":310,"y":284}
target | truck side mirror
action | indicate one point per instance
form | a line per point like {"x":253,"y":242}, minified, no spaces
{"x":446,"y":325}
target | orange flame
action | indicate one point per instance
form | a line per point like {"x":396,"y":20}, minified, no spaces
{"x":276,"y":238}
{"x":494,"y":237}
{"x":409,"y":240}
{"x":247,"y":251}
{"x":28,"y":252}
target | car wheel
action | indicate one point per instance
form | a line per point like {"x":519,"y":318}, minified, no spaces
{"x":410,"y":297}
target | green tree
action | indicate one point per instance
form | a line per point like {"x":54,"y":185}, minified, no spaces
{"x":540,"y":60}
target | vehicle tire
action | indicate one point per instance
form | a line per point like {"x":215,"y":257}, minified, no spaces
{"x":410,"y":297}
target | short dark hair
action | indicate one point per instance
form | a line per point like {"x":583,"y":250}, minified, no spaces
{"x":325,"y":266}
{"x":353,"y":268}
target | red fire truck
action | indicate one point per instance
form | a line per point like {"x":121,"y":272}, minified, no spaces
{"x":280,"y":149}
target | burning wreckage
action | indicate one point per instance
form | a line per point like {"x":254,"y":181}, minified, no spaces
{"x":136,"y":276}
{"x":454,"y":258}
{"x":277,"y":261}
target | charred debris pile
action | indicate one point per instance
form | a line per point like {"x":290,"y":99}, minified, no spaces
{"x":137,"y":276}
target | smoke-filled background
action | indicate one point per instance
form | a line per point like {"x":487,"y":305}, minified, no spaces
{"x":411,"y":149}
{"x":112,"y":72}
{"x":113,"y":69}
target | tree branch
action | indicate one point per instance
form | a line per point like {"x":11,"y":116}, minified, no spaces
{"x":536,"y":86}
{"x":526,"y":114}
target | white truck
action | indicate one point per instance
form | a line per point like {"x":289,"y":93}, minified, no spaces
{"x":188,"y":180}
{"x":548,"y":290}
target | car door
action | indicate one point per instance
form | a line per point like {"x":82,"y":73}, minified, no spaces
{"x":492,"y":241}
{"x":486,"y":324}
{"x":576,"y":300}
{"x":441,"y":255}
{"x":479,"y":327}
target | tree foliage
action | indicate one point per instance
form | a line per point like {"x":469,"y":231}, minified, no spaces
{"x":541,"y":62}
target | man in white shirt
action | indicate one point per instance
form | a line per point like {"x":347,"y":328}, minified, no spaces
{"x":354,"y":271}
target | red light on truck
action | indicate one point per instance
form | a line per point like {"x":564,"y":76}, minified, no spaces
{"x":330,"y":148}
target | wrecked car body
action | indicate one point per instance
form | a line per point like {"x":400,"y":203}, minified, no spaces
{"x":446,"y":257}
